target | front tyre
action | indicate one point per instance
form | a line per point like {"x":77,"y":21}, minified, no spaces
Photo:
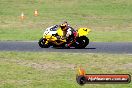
{"x":81,"y":42}
{"x":42,"y":43}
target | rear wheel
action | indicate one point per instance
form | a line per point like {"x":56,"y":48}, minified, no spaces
{"x":81,"y":42}
{"x":42,"y":43}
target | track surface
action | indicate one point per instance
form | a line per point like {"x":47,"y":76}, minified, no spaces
{"x":93,"y":47}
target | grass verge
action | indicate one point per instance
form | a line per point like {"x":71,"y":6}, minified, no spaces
{"x":58,"y":70}
{"x":110,"y":20}
{"x":94,"y":36}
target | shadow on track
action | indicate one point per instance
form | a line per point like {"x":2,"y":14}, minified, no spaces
{"x":74,"y":48}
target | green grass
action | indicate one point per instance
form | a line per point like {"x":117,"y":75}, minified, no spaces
{"x":111,"y":19}
{"x":58,"y":70}
{"x":111,"y":36}
{"x":94,"y":36}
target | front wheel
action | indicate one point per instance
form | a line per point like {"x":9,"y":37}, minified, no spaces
{"x":81,"y":42}
{"x":42,"y":43}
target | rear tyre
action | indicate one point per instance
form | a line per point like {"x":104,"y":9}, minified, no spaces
{"x":81,"y":42}
{"x":42,"y":43}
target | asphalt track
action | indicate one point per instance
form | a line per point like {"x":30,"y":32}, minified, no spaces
{"x":93,"y":47}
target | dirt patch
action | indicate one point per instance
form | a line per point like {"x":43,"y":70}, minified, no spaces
{"x":128,"y":66}
{"x":42,"y":65}
{"x":48,"y":65}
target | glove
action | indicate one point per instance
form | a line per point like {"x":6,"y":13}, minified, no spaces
{"x":58,"y":37}
{"x":63,"y":38}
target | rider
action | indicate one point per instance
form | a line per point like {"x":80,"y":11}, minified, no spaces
{"x":68,"y":33}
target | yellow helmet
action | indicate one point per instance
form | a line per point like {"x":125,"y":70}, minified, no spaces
{"x":64,"y":26}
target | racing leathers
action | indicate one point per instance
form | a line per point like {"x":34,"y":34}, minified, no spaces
{"x":70,"y":36}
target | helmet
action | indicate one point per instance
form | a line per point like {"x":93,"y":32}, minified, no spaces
{"x":64,"y":26}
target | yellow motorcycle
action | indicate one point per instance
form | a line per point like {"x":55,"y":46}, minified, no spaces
{"x":52,"y":36}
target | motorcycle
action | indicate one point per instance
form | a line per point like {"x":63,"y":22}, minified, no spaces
{"x":52,"y":36}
